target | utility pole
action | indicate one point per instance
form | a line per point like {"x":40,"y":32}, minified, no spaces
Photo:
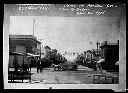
{"x":97,"y":43}
{"x":97,"y":47}
{"x":33,"y":25}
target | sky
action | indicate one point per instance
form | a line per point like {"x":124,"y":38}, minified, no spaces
{"x":68,"y":33}
{"x":71,"y":34}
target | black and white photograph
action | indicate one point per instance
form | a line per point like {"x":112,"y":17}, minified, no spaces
{"x":64,"y":46}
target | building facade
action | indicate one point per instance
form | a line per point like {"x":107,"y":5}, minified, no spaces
{"x":88,"y":54}
{"x":92,"y":54}
{"x":96,"y":54}
{"x":110,"y":52}
{"x":23,"y":44}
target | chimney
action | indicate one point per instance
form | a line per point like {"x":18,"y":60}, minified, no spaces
{"x":105,"y":42}
{"x":118,"y":42}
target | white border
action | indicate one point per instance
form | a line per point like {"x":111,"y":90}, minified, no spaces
{"x":118,"y":87}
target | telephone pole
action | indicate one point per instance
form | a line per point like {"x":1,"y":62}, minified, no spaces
{"x":33,"y":25}
{"x":97,"y":47}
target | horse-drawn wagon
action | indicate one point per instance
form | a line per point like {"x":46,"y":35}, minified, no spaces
{"x":65,"y":67}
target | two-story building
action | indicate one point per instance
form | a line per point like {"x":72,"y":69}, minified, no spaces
{"x":25,"y":44}
{"x":96,"y":54}
{"x":110,"y":52}
{"x":92,"y":54}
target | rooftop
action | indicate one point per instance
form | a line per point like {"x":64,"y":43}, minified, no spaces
{"x":96,"y":50}
{"x":22,"y":36}
{"x":109,"y":43}
{"x":15,"y":36}
{"x":47,"y":47}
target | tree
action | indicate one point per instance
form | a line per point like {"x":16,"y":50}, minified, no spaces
{"x":55,"y":51}
{"x":46,"y":62}
{"x":53,"y":57}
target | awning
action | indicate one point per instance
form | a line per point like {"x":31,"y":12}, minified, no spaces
{"x":16,"y":53}
{"x":32,"y":55}
{"x":117,"y":63}
{"x":101,"y":60}
{"x":89,"y":62}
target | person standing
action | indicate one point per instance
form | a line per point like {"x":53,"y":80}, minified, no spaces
{"x":30,"y":63}
{"x":38,"y":65}
{"x":100,"y":67}
{"x":41,"y":65}
{"x":15,"y":64}
{"x":94,"y":64}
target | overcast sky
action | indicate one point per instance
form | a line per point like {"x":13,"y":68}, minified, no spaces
{"x":69,"y":33}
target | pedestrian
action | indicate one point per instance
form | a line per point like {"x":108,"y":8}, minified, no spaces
{"x":94,"y":65}
{"x":25,"y":67}
{"x":41,"y":65}
{"x":30,"y":64}
{"x":15,"y":64}
{"x":38,"y":65}
{"x":100,"y":67}
{"x":97,"y":66}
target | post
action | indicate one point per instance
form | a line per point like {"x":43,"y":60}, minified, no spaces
{"x":118,"y":42}
{"x":23,"y":70}
{"x":23,"y":59}
{"x":40,"y":58}
{"x":97,"y":49}
{"x":40,"y":53}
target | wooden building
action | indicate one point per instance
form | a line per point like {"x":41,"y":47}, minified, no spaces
{"x":110,"y":52}
{"x":23,"y":44}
